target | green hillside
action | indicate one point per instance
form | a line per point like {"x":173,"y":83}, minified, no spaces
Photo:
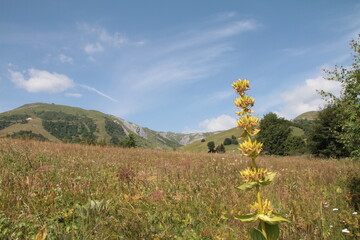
{"x":58,"y":123}
{"x":311,"y":115}
{"x":218,"y":138}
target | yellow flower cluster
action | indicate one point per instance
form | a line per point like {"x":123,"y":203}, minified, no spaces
{"x":244,"y":103}
{"x":248,"y":123}
{"x":267,"y":209}
{"x":241,"y":86}
{"x":254,"y":175}
{"x":251,"y":148}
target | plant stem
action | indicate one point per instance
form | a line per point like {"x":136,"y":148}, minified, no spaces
{"x":254,"y":163}
{"x":260,"y":211}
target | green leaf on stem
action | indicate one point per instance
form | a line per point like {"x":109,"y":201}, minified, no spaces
{"x":248,"y":217}
{"x":272,"y":219}
{"x":247,"y":186}
{"x":256,"y":234}
{"x":268,"y":178}
{"x":272,"y":231}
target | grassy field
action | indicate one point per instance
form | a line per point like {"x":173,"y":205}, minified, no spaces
{"x":84,"y":192}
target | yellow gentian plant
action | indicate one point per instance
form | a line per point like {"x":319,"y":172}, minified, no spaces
{"x":255,"y":177}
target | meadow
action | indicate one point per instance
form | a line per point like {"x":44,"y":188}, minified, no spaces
{"x":72,"y":191}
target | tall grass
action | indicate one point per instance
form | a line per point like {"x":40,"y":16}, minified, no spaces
{"x":86,"y":192}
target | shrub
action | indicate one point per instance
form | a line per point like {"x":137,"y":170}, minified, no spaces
{"x":220,"y":149}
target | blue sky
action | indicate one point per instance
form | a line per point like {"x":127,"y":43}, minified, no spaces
{"x":169,"y":65}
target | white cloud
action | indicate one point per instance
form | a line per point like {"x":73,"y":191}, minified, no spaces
{"x":44,"y":81}
{"x":93,"y":48}
{"x":75,"y":95}
{"x":41,"y":81}
{"x":222,"y":122}
{"x":65,"y":59}
{"x":305,"y":98}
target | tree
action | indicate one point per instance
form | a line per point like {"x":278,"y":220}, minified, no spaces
{"x":227,"y":141}
{"x":273,"y":133}
{"x":348,"y":103}
{"x":115,"y":141}
{"x":294,"y":145}
{"x":211,"y":146}
{"x":130,"y":141}
{"x":323,"y":141}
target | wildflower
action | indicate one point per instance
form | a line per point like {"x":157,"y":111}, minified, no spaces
{"x":241,"y":86}
{"x":345,"y":230}
{"x":254,"y":175}
{"x":354,"y":213}
{"x":335,"y":209}
{"x":250,"y":148}
{"x":248,"y":123}
{"x":267,"y":209}
{"x":245,"y":103}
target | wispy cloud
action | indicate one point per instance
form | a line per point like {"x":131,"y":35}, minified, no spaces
{"x":224,"y":16}
{"x":91,"y":48}
{"x":65,"y":59}
{"x":99,"y":38}
{"x":195,"y":56}
{"x":103,"y":35}
{"x":98,"y":92}
{"x":183,"y":69}
{"x":177,"y":60}
{"x":196,"y":37}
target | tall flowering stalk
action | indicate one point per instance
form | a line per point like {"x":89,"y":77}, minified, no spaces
{"x":255,"y":177}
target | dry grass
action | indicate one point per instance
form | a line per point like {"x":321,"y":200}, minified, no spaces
{"x":86,"y":192}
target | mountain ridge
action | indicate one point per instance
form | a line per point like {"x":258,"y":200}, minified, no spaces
{"x":49,"y":120}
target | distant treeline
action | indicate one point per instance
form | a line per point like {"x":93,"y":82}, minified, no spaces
{"x":27,"y":135}
{"x":7,"y":121}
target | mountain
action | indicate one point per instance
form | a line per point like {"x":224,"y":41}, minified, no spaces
{"x":71,"y":124}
